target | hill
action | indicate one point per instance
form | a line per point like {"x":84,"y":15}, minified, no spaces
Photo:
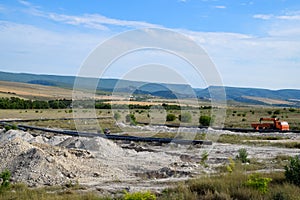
{"x":285,"y":97}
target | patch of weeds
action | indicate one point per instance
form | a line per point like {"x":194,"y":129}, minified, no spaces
{"x":243,"y":155}
{"x":139,"y":196}
{"x":259,"y":183}
{"x":292,"y":171}
{"x":204,"y":158}
{"x":230,"y":167}
{"x":5,"y":176}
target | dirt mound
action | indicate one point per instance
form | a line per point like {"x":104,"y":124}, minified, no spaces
{"x":103,"y":146}
{"x":12,"y":134}
{"x":34,"y":162}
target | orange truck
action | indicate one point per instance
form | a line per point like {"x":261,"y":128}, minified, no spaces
{"x":275,"y":125}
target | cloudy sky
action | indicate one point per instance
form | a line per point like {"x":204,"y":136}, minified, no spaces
{"x":252,"y":43}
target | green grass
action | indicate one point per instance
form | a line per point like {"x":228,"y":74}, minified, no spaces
{"x":236,"y":117}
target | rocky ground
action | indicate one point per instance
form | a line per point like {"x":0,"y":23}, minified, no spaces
{"x":39,"y":159}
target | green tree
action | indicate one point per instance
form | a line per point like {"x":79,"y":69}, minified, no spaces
{"x":205,"y":120}
{"x":170,"y":117}
{"x":276,"y":112}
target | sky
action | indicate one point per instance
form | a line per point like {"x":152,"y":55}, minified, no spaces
{"x":252,"y":43}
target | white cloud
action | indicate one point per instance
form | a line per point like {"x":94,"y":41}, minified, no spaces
{"x":220,"y":7}
{"x":25,"y":3}
{"x":26,"y":48}
{"x":262,"y":16}
{"x":94,"y":21}
{"x":246,"y":60}
{"x":287,"y":16}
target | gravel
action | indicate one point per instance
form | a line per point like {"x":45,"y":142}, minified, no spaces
{"x":105,"y":165}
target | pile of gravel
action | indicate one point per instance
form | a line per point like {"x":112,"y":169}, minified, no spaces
{"x":55,"y":161}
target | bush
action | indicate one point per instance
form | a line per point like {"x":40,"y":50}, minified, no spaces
{"x":292,"y":109}
{"x":170,"y":117}
{"x":9,"y":127}
{"x":185,"y":117}
{"x":230,"y":167}
{"x":276,"y":112}
{"x":5,"y":176}
{"x":292,"y":171}
{"x":204,"y":158}
{"x":117,"y":116}
{"x":257,"y":182}
{"x":131,"y":118}
{"x":242,"y":156}
{"x":139,"y":196}
{"x":270,"y":112}
{"x":205,"y":120}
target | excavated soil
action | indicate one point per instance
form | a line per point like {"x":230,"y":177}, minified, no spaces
{"x":97,"y":163}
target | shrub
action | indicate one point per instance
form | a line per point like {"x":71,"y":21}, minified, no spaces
{"x":242,"y":156}
{"x":139,"y":196}
{"x":276,"y":112}
{"x":117,"y":116}
{"x":5,"y":176}
{"x":204,"y":158}
{"x":131,"y":118}
{"x":170,"y":117}
{"x":205,"y":120}
{"x":292,"y":109}
{"x":257,"y":182}
{"x":230,"y":167}
{"x":9,"y":127}
{"x":292,"y":171}
{"x":269,"y":112}
{"x":185,"y":117}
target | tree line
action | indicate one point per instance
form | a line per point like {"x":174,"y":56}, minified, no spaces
{"x":17,"y":103}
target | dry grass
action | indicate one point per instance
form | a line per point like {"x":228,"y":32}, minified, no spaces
{"x":232,"y":186}
{"x":33,"y":91}
{"x":22,"y":192}
{"x":268,"y":100}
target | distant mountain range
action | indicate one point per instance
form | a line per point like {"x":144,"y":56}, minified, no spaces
{"x":286,"y":97}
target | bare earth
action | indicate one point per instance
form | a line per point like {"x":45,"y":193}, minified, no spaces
{"x":103,"y":165}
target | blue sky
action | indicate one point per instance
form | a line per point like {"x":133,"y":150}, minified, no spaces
{"x":252,"y":43}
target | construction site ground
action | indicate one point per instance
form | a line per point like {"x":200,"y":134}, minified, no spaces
{"x":42,"y":159}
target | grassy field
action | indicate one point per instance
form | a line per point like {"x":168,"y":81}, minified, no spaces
{"x":236,"y":117}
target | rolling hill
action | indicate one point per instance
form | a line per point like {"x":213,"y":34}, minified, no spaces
{"x":286,"y":97}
